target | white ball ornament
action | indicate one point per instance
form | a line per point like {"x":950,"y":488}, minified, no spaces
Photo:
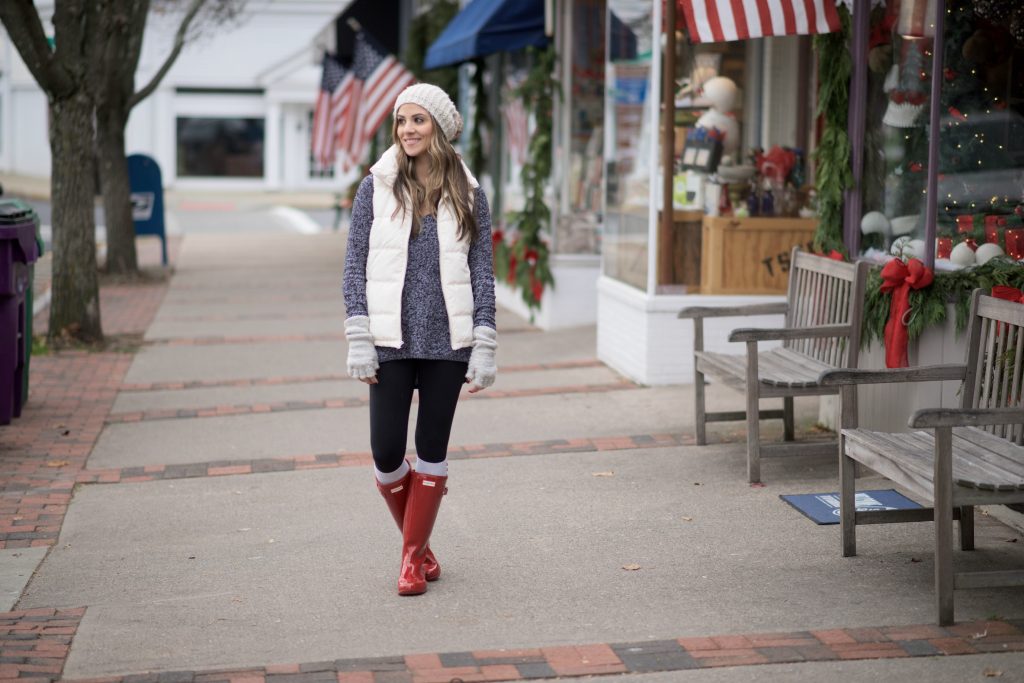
{"x":962,"y":255}
{"x":986,"y":252}
{"x":874,"y":222}
{"x":915,"y":249}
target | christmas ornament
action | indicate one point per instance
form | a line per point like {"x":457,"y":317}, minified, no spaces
{"x":962,"y":255}
{"x":904,"y":225}
{"x":874,"y":222}
{"x":986,"y":252}
{"x":943,"y":247}
{"x":901,"y":248}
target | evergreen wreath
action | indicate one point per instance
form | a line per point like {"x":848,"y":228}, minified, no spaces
{"x":524,"y":263}
{"x":833,"y":176}
{"x":928,"y":305}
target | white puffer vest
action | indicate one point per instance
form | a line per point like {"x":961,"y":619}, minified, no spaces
{"x":389,"y":255}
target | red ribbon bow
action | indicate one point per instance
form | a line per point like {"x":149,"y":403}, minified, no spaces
{"x":1008,"y":293}
{"x":899,"y":278}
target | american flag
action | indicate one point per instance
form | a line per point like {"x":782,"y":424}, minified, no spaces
{"x":324,"y":134}
{"x":715,"y":21}
{"x":516,"y":122}
{"x":378,"y":79}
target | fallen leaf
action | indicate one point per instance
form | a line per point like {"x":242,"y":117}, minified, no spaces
{"x":57,"y":463}
{"x":696,"y":483}
{"x":687,"y":519}
{"x":631,"y":567}
{"x":1011,"y":540}
{"x":609,"y":473}
{"x":915,"y":559}
{"x":191,"y":557}
{"x":989,"y":672}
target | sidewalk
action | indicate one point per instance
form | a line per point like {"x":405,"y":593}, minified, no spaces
{"x":202,"y":509}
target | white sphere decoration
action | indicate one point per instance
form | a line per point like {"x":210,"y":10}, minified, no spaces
{"x":915,"y":249}
{"x":903,"y":225}
{"x":962,"y":255}
{"x":901,"y":247}
{"x":986,"y":252}
{"x":874,"y":222}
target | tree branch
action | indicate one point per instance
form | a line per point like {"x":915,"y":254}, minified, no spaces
{"x":179,"y":43}
{"x":25,"y":30}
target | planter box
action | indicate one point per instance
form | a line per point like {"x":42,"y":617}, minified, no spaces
{"x":750,"y":255}
{"x":888,"y":407}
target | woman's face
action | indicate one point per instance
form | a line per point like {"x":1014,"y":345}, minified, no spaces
{"x":414,"y":127}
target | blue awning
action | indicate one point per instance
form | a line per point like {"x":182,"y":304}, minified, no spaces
{"x":487,"y":26}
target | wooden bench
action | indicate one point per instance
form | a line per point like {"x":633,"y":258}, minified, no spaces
{"x":822,"y":331}
{"x":972,"y":455}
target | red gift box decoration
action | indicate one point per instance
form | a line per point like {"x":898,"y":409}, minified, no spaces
{"x":1015,"y":243}
{"x":944,"y":248}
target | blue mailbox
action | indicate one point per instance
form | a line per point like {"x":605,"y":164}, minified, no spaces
{"x":147,"y":192}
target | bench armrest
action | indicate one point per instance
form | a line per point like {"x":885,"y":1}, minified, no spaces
{"x":746,"y":334}
{"x":734,"y":311}
{"x":971,"y":417}
{"x":924,"y":373}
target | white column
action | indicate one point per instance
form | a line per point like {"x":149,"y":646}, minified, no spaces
{"x":274,"y":147}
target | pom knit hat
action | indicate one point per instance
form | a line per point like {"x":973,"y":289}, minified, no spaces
{"x":435,"y":101}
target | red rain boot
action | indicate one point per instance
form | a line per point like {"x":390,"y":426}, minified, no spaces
{"x":425,"y":493}
{"x":395,"y":495}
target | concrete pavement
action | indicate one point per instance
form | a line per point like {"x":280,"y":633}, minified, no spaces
{"x":580,"y":522}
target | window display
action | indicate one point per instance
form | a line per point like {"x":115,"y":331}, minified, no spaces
{"x":981,"y":133}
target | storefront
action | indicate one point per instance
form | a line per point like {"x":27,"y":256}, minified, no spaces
{"x":733,"y":219}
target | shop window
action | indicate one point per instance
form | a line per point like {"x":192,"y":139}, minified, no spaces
{"x":981,"y":134}
{"x":220,"y":147}
{"x":630,"y":140}
{"x":578,"y":229}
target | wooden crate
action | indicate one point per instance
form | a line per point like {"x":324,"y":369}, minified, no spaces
{"x":750,"y":255}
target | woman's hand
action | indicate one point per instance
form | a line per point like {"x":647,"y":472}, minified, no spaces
{"x":362,"y":354}
{"x":482,"y":369}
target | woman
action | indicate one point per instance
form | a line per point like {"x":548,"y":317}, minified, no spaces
{"x":419,"y":294}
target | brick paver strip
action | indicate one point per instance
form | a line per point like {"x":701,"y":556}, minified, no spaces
{"x":361,"y":459}
{"x":217,"y":340}
{"x":29,"y":637}
{"x":320,"y":404}
{"x":306,"y":379}
{"x":34,"y":644}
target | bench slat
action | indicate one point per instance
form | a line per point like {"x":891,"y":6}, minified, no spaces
{"x":778,"y":367}
{"x":974,"y":466}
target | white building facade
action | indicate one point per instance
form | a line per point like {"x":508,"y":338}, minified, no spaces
{"x":234,"y":112}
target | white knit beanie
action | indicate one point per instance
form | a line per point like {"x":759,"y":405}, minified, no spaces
{"x":435,"y":101}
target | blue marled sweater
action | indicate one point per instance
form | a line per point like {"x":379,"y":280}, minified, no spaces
{"x":424,"y":316}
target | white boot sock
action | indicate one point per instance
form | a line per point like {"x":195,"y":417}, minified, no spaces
{"x":386,"y":478}
{"x":436,"y":469}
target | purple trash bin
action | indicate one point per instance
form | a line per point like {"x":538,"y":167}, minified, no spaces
{"x":17,"y":251}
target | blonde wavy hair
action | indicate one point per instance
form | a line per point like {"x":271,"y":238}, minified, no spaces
{"x":446,"y":181}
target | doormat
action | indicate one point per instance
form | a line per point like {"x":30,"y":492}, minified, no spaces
{"x":823,"y":508}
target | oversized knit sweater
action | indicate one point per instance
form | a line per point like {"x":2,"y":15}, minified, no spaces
{"x":424,"y":315}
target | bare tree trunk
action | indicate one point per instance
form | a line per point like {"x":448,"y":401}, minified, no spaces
{"x":75,"y":305}
{"x":121,"y":254}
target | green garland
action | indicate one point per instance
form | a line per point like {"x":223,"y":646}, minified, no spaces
{"x":833,"y":174}
{"x":524,"y":263}
{"x":928,"y":305}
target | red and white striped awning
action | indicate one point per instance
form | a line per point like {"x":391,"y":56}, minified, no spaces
{"x":716,"y":21}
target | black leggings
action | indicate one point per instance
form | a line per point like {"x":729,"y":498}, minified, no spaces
{"x":439,"y":383}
